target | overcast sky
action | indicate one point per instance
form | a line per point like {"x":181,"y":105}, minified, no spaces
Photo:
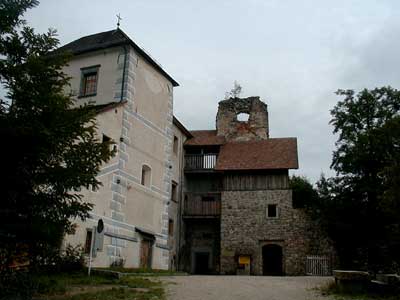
{"x":293,"y":54}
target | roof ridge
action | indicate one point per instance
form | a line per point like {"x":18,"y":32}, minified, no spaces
{"x":107,"y":39}
{"x":87,"y":36}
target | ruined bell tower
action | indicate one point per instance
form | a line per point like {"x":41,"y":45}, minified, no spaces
{"x":233,"y":128}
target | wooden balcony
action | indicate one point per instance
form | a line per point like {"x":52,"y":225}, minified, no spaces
{"x":206,"y":205}
{"x":200,"y":162}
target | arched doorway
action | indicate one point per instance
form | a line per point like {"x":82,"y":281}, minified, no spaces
{"x":272,"y":260}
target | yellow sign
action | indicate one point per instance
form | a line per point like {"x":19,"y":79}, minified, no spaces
{"x":244,"y":260}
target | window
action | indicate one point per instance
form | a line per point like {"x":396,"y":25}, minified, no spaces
{"x":174,"y":192}
{"x":272,"y":211}
{"x":176,"y":145}
{"x":88,"y":241}
{"x":243,"y":117}
{"x":106,"y":139}
{"x":171,"y":227}
{"x":89,"y":81}
{"x":146,"y":175}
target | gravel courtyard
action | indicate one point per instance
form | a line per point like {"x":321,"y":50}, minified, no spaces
{"x":243,"y":288}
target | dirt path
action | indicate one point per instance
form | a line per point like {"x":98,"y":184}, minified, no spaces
{"x":243,"y":288}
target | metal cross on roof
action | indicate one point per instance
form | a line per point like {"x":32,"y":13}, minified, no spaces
{"x":119,"y":20}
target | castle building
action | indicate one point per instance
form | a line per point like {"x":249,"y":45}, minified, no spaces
{"x":138,"y":200}
{"x":238,"y":215}
{"x":205,"y":201}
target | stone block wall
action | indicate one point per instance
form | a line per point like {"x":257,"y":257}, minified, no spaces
{"x":245,"y":229}
{"x":232,"y":129}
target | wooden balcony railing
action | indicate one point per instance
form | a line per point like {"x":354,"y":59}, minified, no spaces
{"x":202,"y":205}
{"x":200,"y":161}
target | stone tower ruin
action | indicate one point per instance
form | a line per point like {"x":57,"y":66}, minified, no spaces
{"x":233,"y":129}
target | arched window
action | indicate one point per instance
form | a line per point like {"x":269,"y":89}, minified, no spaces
{"x":146,"y":175}
{"x":243,"y":117}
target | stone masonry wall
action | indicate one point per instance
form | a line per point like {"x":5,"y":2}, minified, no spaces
{"x":255,"y":128}
{"x":245,"y":229}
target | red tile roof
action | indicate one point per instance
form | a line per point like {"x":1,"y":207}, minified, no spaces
{"x":275,"y":153}
{"x":204,"y":138}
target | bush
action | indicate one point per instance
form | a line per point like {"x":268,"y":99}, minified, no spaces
{"x":118,"y":263}
{"x":67,"y":260}
{"x":71,"y":259}
{"x":16,"y":285}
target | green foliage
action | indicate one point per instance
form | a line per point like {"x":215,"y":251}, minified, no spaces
{"x":357,"y":291}
{"x":120,"y":293}
{"x":143,"y":271}
{"x":59,"y":283}
{"x":71,"y":259}
{"x":360,"y":206}
{"x":16,"y":285}
{"x":118,"y":263}
{"x":77,"y":285}
{"x":303,"y":193}
{"x":50,"y":144}
{"x":234,"y":92}
{"x":355,"y":119}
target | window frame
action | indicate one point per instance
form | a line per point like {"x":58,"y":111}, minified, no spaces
{"x":85,"y":73}
{"x":276,"y":211}
{"x":88,"y":243}
{"x":171,"y":227}
{"x":174,"y":191}
{"x":143,"y":176}
{"x":175,"y":146}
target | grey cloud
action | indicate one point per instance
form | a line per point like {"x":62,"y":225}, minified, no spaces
{"x":294,"y":54}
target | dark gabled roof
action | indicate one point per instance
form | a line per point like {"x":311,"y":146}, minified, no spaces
{"x":205,"y":138}
{"x":107,"y":39}
{"x":275,"y":153}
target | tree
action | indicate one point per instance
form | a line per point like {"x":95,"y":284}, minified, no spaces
{"x":50,"y":148}
{"x":366,"y":153}
{"x":388,"y":137}
{"x":303,"y":193}
{"x":235,"y":91}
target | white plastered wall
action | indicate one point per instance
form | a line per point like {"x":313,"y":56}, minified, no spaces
{"x":142,"y":128}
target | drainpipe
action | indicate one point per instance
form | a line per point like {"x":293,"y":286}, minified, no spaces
{"x":123,"y":73}
{"x":181,"y":199}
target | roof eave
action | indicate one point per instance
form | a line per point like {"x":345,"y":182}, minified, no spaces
{"x":130,"y":42}
{"x":149,"y":59}
{"x":178,"y":124}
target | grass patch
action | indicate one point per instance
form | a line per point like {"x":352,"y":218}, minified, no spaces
{"x":340,"y":292}
{"x":120,"y":293}
{"x":142,"y":271}
{"x":58,"y":283}
{"x":78,"y":286}
{"x":139,"y":282}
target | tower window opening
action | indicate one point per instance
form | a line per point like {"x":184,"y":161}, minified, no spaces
{"x":243,"y":117}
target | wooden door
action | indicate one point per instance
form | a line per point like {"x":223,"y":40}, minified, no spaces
{"x":145,"y":254}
